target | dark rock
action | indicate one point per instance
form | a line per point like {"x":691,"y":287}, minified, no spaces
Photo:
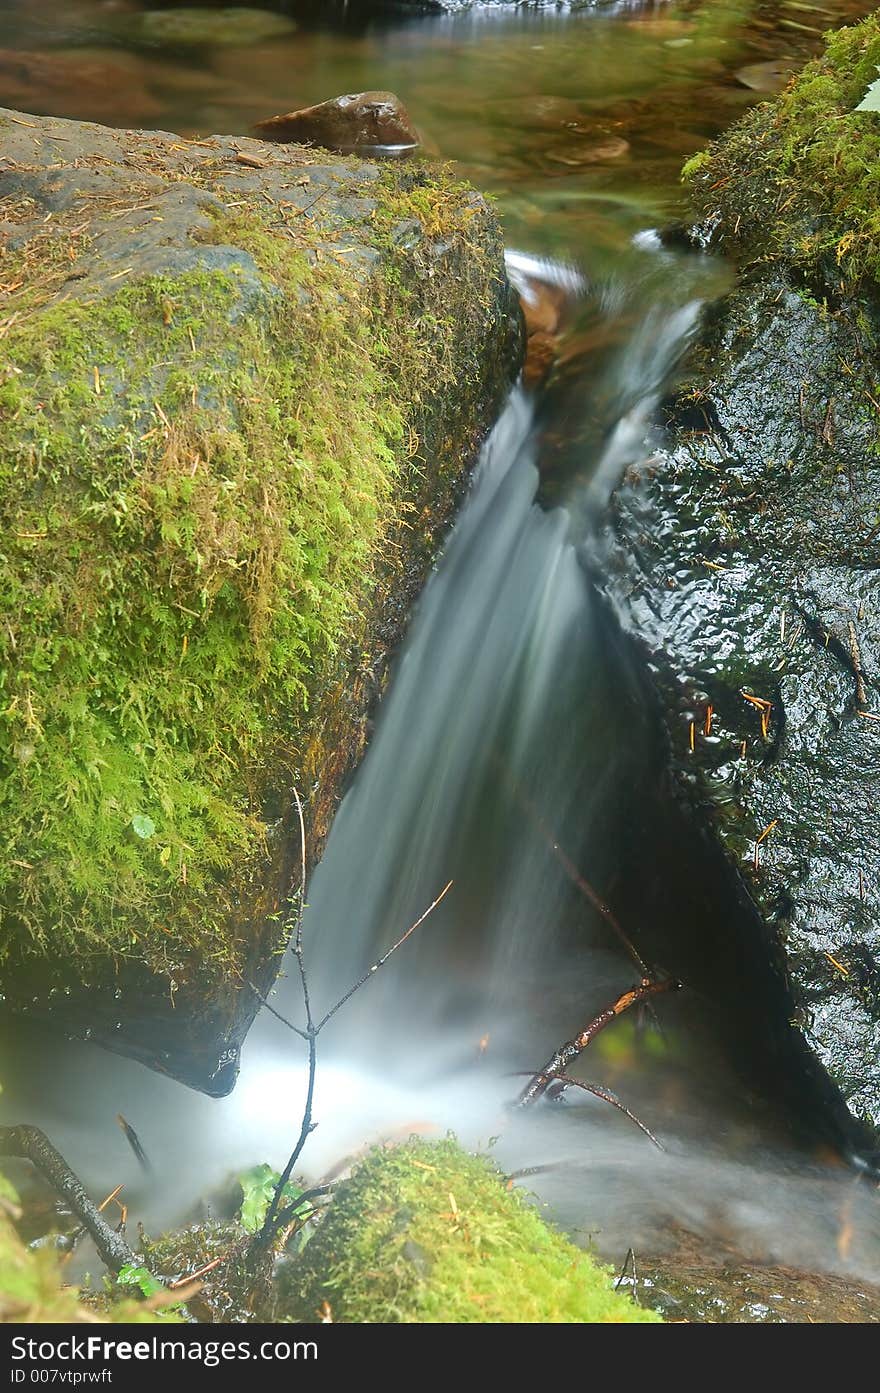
{"x":356,"y":122}
{"x":743,"y":560}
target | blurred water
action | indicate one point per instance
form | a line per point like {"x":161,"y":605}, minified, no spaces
{"x":500,"y":747}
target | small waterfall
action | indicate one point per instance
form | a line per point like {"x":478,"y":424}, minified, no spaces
{"x":490,"y":740}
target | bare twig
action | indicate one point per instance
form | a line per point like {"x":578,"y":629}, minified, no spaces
{"x":629,"y":1261}
{"x":133,"y":1140}
{"x":385,"y":956}
{"x":557,"y":1063}
{"x":574,"y":875}
{"x":275,"y":1216}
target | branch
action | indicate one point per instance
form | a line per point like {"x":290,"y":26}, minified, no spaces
{"x":599,"y":1091}
{"x":577,"y":879}
{"x":383,"y":960}
{"x":557,"y":1063}
{"x":30,"y":1144}
{"x":275,"y":1216}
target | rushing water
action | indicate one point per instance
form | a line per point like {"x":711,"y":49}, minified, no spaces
{"x":505,"y":738}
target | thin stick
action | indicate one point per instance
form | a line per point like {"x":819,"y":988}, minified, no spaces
{"x":571,"y":870}
{"x":274,"y":1215}
{"x":556,"y":1064}
{"x":599,"y":1091}
{"x":133,"y":1140}
{"x":307,"y":1126}
{"x":277,"y":1014}
{"x":209,"y":1267}
{"x":383,"y":960}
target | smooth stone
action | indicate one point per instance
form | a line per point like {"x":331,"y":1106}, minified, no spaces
{"x":357,"y":121}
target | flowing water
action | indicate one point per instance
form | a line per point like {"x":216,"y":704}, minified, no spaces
{"x":511,"y":755}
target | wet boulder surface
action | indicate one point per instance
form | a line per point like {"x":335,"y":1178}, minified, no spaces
{"x":741,"y":562}
{"x":241,"y":388}
{"x":357,"y":121}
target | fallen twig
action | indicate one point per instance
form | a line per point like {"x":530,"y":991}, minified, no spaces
{"x":556,"y":1065}
{"x":133,"y":1140}
{"x":32,"y":1145}
{"x":598,"y":1091}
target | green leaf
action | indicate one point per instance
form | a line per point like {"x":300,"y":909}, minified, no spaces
{"x":143,"y":826}
{"x":139,"y":1277}
{"x":871,"y":99}
{"x":257,"y":1187}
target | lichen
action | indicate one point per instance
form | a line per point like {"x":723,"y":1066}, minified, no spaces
{"x":427,"y":1233}
{"x":798,"y":178}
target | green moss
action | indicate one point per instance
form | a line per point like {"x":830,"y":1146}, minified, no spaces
{"x":193,"y":524}
{"x":799,"y":177}
{"x":427,"y":1233}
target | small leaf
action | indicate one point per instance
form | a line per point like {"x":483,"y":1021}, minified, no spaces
{"x":258,"y":1186}
{"x":143,"y":826}
{"x":139,"y":1277}
{"x":871,"y":99}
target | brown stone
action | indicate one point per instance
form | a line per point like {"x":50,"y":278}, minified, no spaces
{"x":358,"y":121}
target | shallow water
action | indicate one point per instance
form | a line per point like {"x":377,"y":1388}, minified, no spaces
{"x":503,"y":743}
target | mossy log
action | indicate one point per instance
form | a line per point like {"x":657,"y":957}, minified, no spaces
{"x":241,"y":385}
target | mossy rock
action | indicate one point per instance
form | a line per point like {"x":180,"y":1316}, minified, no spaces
{"x":798,"y":179}
{"x":241,"y":386}
{"x":427,"y":1233}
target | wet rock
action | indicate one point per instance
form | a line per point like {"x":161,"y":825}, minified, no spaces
{"x":359,"y":121}
{"x":753,"y":1294}
{"x":743,"y":561}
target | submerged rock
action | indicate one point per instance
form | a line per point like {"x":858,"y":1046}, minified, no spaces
{"x":744,"y":562}
{"x":359,"y":121}
{"x":233,"y":424}
{"x":205,"y":27}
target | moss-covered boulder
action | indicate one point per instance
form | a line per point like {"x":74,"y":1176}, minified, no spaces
{"x":427,"y":1233}
{"x":744,"y":561}
{"x":240,"y":386}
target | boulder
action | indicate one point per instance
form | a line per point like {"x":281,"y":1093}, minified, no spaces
{"x":743,"y":560}
{"x":360,"y":121}
{"x":237,"y":407}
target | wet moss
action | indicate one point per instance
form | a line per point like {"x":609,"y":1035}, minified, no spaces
{"x":798,"y":179}
{"x":427,"y":1233}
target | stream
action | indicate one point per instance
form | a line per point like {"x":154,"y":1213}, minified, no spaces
{"x":510,"y":753}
